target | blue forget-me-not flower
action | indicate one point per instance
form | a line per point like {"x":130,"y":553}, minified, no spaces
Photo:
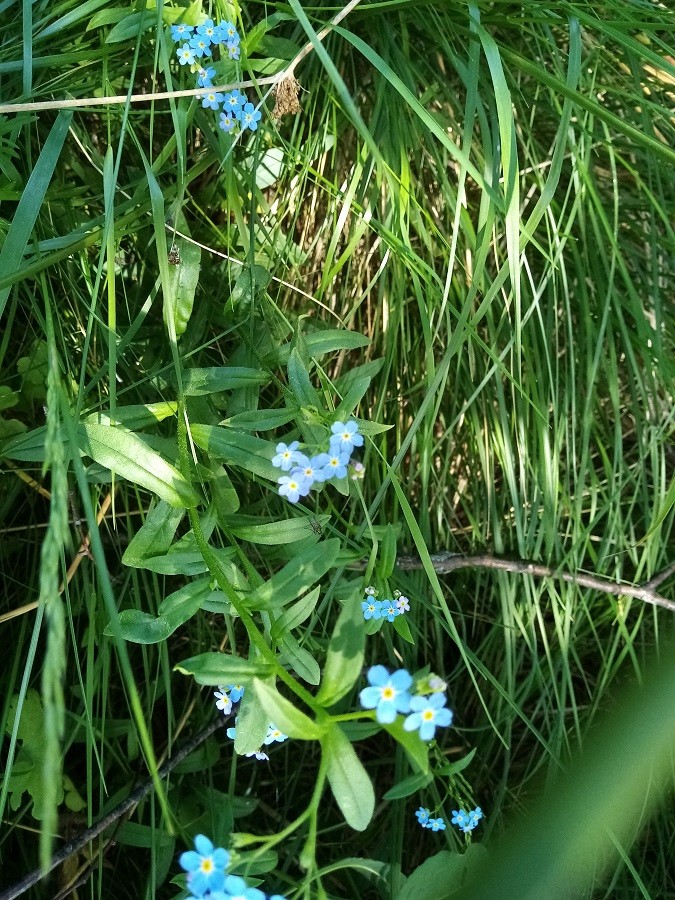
{"x":388,"y":694}
{"x":205,"y":866}
{"x":428,"y":713}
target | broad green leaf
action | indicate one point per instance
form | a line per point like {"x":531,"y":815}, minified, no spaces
{"x":184,"y":603}
{"x":183,"y":277}
{"x":298,"y":378}
{"x":402,"y":628}
{"x":141,"y":627}
{"x":352,"y":399}
{"x":284,"y":715}
{"x":345,"y":653}
{"x":318,"y":344}
{"x":348,"y":779}
{"x":260,"y":419}
{"x":408,"y":786}
{"x":415,"y":748}
{"x":252,"y":723}
{"x":200,"y":382}
{"x":124,"y":453}
{"x":285,"y":531}
{"x":296,"y":577}
{"x":442,"y":876}
{"x":135,"y":417}
{"x":222,"y":668}
{"x":300,"y":660}
{"x":155,"y":535}
{"x":238,"y":449}
{"x":29,"y":446}
{"x":295,"y":615}
{"x":130,"y":27}
{"x":225,"y":496}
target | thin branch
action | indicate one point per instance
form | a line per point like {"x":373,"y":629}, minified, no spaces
{"x":82,"y":102}
{"x":446,"y":562}
{"x":85,"y":837}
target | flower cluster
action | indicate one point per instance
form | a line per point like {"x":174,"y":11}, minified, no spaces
{"x":226,"y":695}
{"x":206,"y":868}
{"x":384,"y":609}
{"x":466,"y":821}
{"x":390,"y":695}
{"x":196,"y":52}
{"x":425,"y":820}
{"x":306,"y":471}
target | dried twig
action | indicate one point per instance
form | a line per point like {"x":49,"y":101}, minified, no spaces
{"x":446,"y":562}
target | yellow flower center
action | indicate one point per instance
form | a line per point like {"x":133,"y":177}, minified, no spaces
{"x":388,"y":693}
{"x":428,"y":715}
{"x":206,"y":865}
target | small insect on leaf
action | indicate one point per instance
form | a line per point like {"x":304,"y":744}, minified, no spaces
{"x":316,"y":526}
{"x":174,"y":255}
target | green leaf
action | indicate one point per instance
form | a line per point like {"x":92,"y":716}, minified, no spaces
{"x":345,"y":653}
{"x":284,"y":715}
{"x":294,"y":615}
{"x":243,"y":450}
{"x":296,"y":577}
{"x":221,"y":668}
{"x":459,"y":766}
{"x":300,"y":383}
{"x":408,"y":786}
{"x":200,"y":382}
{"x":155,"y":535}
{"x":124,"y":453}
{"x":415,"y":748}
{"x":250,"y":284}
{"x":141,"y":627}
{"x":348,"y":779}
{"x":386,"y":555}
{"x":180,"y":606}
{"x":135,"y":417}
{"x":225,"y":497}
{"x":252,"y":724}
{"x":318,"y":344}
{"x":300,"y":660}
{"x":183,"y":277}
{"x":402,"y":628}
{"x":130,"y":27}
{"x":441,"y":876}
{"x":260,"y":419}
{"x":284,"y":531}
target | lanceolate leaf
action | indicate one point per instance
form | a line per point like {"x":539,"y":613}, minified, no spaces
{"x":221,"y":668}
{"x":345,"y":653}
{"x":348,"y":779}
{"x":127,"y":455}
{"x":284,"y":715}
{"x":296,"y":577}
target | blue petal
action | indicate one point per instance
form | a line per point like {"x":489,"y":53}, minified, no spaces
{"x":203,"y":845}
{"x":189,"y":860}
{"x":378,"y":675}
